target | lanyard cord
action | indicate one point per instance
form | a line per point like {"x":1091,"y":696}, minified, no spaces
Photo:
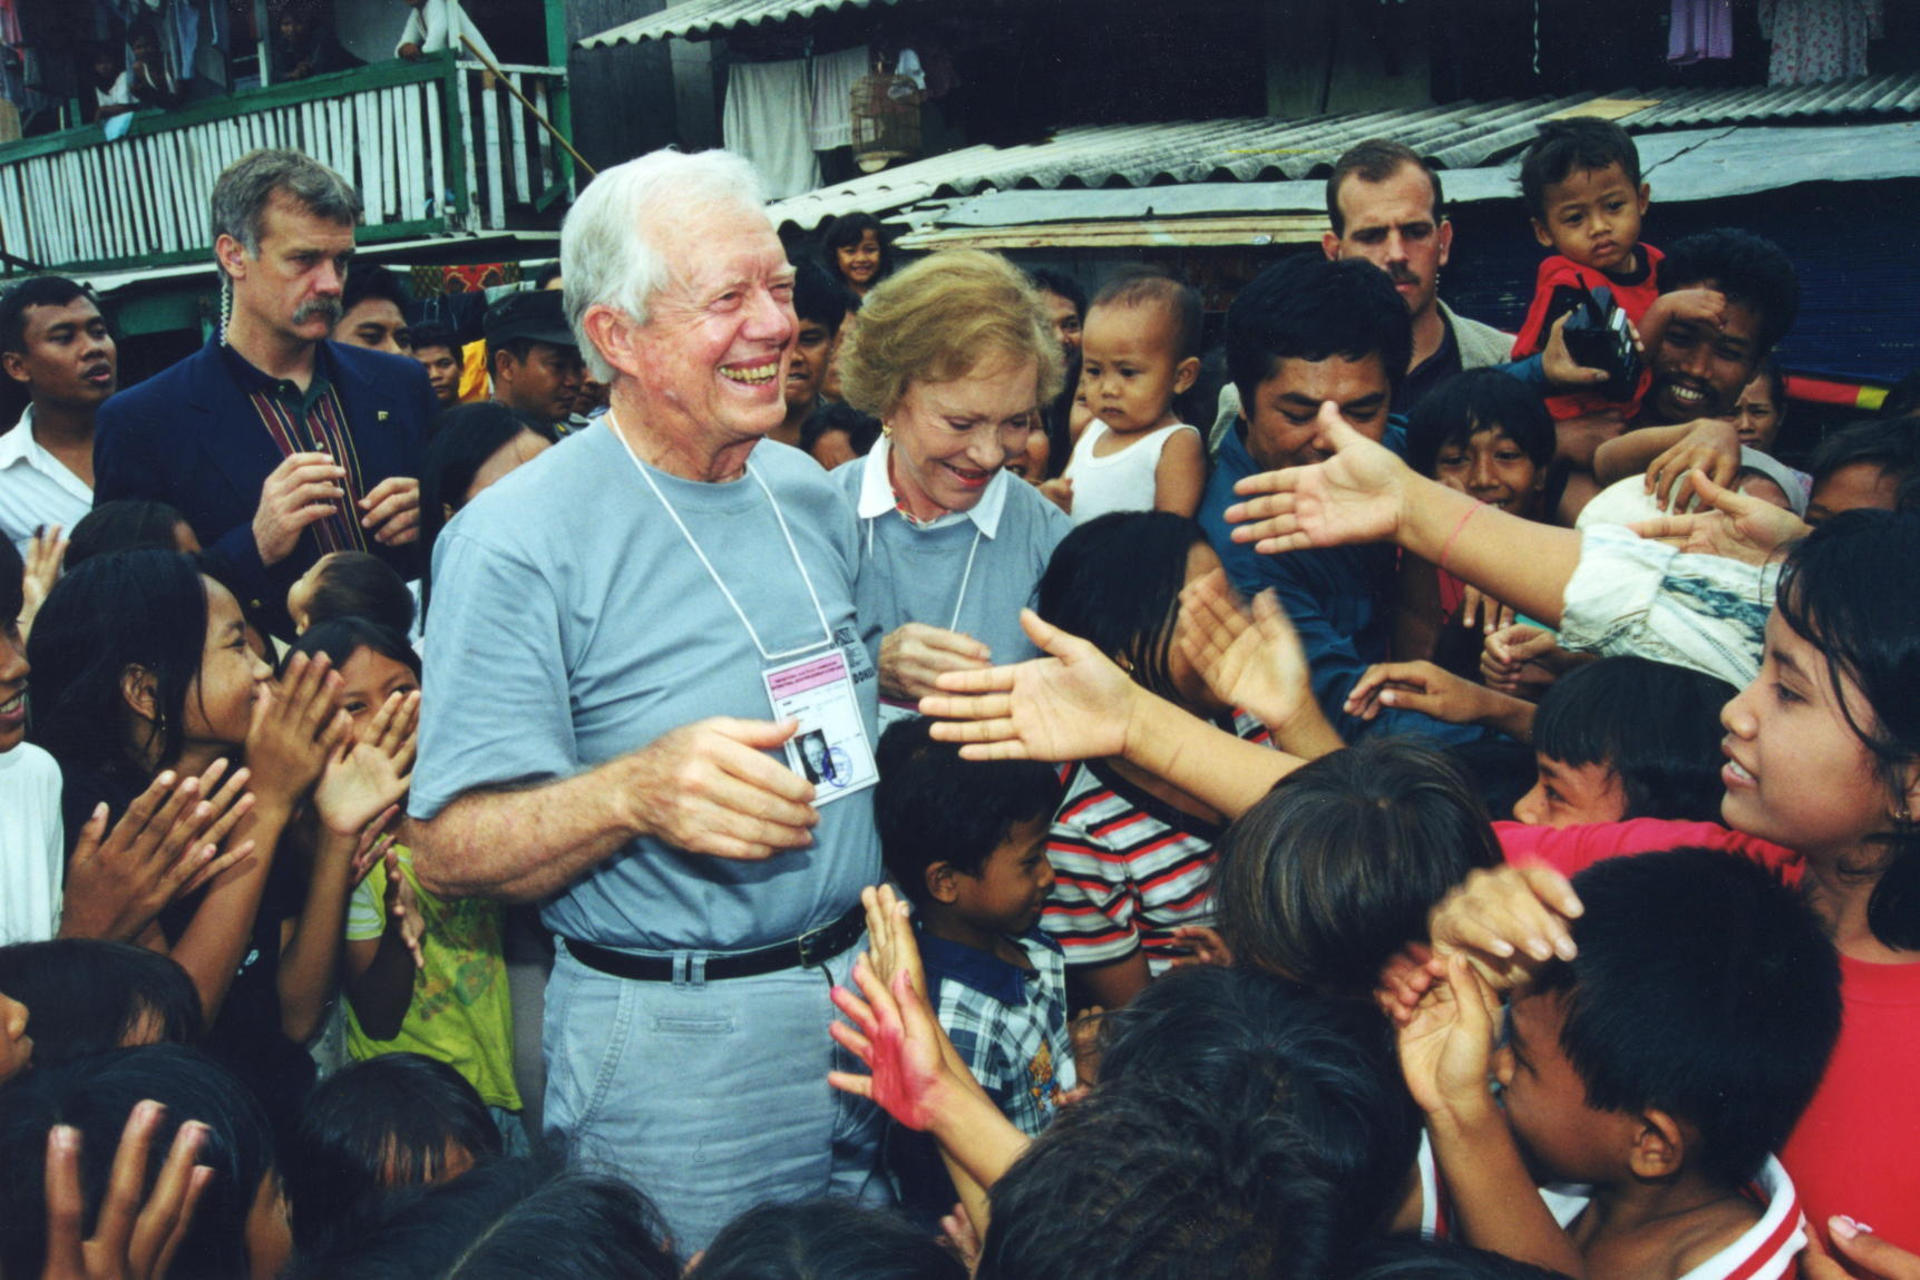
{"x":686,"y":533}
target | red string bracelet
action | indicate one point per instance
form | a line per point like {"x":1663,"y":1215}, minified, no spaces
{"x":1453,"y":537}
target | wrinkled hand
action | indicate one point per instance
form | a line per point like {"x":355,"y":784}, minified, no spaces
{"x":1856,"y":1242}
{"x":376,"y":838}
{"x":136,"y":1232}
{"x":391,"y":511}
{"x":1417,"y":686}
{"x":709,"y":788}
{"x":1507,"y":920}
{"x":1254,"y":662}
{"x":1359,"y":494}
{"x":1556,"y":363}
{"x":166,"y":845}
{"x":1073,"y":705}
{"x":1477,"y":608}
{"x":1710,"y":448}
{"x":1446,"y":1046}
{"x":297,"y":727}
{"x":1519,"y":661}
{"x":46,"y":551}
{"x":1737,"y":526}
{"x":1698,"y":305}
{"x":304,"y":488}
{"x":1204,"y":946}
{"x":894,"y":1033}
{"x":914,"y":656}
{"x":371,"y":772}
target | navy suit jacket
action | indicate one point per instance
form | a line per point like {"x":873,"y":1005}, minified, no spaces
{"x":190,"y":437}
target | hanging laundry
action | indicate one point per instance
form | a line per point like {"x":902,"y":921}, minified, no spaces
{"x":766,"y":119}
{"x":1819,"y":40}
{"x":1701,"y":29}
{"x":833,"y":77}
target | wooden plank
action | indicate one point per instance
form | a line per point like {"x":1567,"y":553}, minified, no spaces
{"x":113,"y":202}
{"x":397,"y":145}
{"x":496,"y":177}
{"x":166,"y":173}
{"x":541,"y":155}
{"x":518,"y":115}
{"x":436,"y":158}
{"x":82,"y":245}
{"x":1128,"y":233}
{"x":470,"y":185}
{"x":414,"y":155}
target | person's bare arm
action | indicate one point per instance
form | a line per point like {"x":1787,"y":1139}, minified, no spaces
{"x":1363,"y":493}
{"x":706,"y":788}
{"x":1114,"y":985}
{"x":1181,"y":474}
{"x":1077,"y":705}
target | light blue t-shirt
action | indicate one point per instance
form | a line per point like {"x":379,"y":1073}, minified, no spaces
{"x":572,"y":624}
{"x":964,"y":573}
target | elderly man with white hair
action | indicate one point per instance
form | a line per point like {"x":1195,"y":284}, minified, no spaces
{"x":630,"y":636}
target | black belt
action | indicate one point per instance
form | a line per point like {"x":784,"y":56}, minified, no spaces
{"x":817,"y":947}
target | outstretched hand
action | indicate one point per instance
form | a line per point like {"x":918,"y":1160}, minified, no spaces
{"x":1253,"y":661}
{"x":167,"y":844}
{"x":137,"y":1231}
{"x":297,"y":727}
{"x":1737,"y":526}
{"x":370,"y":773}
{"x":1073,"y":705}
{"x":895,"y":1034}
{"x":1446,"y":1046}
{"x":1507,"y":920}
{"x":46,"y":551}
{"x":1359,"y":494}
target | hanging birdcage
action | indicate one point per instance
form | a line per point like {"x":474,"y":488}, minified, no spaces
{"x":885,"y":111}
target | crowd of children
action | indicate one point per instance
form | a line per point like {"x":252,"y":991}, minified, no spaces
{"x":1604,"y":962}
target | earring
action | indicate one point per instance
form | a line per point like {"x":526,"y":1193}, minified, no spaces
{"x":886,"y":429}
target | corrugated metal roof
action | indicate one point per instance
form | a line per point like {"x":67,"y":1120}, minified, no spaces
{"x":700,"y":19}
{"x":1263,"y":149}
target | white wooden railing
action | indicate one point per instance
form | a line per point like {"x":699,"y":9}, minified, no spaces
{"x":431,"y":146}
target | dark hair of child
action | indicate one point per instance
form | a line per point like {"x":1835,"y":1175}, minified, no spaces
{"x":1834,"y":594}
{"x":1116,"y":582}
{"x":932,"y":806}
{"x":1062,"y":285}
{"x":370,"y":280}
{"x":818,"y":295}
{"x":125,"y":524}
{"x":1657,"y":726}
{"x":1702,"y":987}
{"x":340,"y":638}
{"x":88,"y":996}
{"x":824,"y":1239}
{"x":862,"y":429}
{"x":1152,"y":287}
{"x":1475,"y":401}
{"x":1154,"y":1180}
{"x":1891,"y":444}
{"x":145,"y":609}
{"x":374,"y":1127}
{"x":1412,"y":1258}
{"x":428,"y":335}
{"x":1749,"y":269}
{"x":359,"y":584}
{"x":1336,"y":868}
{"x":1578,"y":143}
{"x":467,"y":435}
{"x":845,"y":231}
{"x":1209,"y":1029}
{"x":96,"y":1095}
{"x":1307,"y":308}
{"x":509,"y":1219}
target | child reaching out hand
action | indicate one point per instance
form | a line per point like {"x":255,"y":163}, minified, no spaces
{"x":1139,"y":349}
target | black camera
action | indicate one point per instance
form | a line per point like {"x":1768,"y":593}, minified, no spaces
{"x":1598,"y":336}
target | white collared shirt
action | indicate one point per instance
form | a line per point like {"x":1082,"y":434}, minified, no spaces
{"x":36,"y":488}
{"x":876,"y":495}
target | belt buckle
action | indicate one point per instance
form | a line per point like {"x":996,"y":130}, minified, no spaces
{"x":806,"y":944}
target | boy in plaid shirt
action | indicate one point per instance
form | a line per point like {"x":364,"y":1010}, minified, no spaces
{"x":966,"y":842}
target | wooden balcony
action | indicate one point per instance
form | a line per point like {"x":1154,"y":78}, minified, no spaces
{"x":432,"y":148}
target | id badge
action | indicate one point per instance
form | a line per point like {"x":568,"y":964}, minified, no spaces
{"x":830,"y":749}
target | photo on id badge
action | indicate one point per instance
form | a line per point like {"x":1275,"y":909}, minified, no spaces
{"x":830,"y":749}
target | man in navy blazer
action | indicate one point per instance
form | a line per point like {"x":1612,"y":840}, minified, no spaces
{"x":277,"y":445}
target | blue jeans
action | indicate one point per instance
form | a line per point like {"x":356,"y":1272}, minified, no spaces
{"x":711,"y":1097}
